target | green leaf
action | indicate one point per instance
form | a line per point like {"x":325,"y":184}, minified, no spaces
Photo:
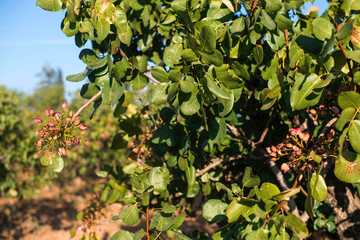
{"x":77,"y":77}
{"x":258,"y":54}
{"x":322,"y":28}
{"x":226,"y":105}
{"x":98,"y":63}
{"x":221,"y":14}
{"x":87,"y":56}
{"x":214,"y":88}
{"x":356,"y":78}
{"x":172,"y":54}
{"x":347,"y":167}
{"x":49,"y":5}
{"x":138,"y":81}
{"x":267,"y":20}
{"x":297,"y":226}
{"x":88,"y":90}
{"x":306,"y":91}
{"x":189,"y":55}
{"x":187,"y":85}
{"x":161,"y":221}
{"x":217,"y":130}
{"x":240,"y":70}
{"x":214,"y":210}
{"x":177,"y":221}
{"x":354,"y":55}
{"x":115,"y":93}
{"x":130,"y":215}
{"x":193,"y":186}
{"x":268,"y":190}
{"x":349,"y":99}
{"x":318,"y":187}
{"x":57,"y":164}
{"x":120,"y":69}
{"x":180,"y":236}
{"x":354,"y":135}
{"x":215,"y":58}
{"x":159,"y":95}
{"x":273,"y":6}
{"x":69,"y":28}
{"x":139,"y":235}
{"x":283,"y":22}
{"x":276,"y":40}
{"x":238,"y":25}
{"x":160,"y":74}
{"x":207,"y":39}
{"x":122,"y":235}
{"x":309,"y":44}
{"x":249,"y":179}
{"x":285,"y":195}
{"x":238,"y":208}
{"x":159,"y":178}
{"x":102,"y":28}
{"x":345,"y":30}
{"x":191,"y":105}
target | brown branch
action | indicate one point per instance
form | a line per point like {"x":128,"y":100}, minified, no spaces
{"x":87,"y":104}
{"x":147,"y":74}
{"x":263,"y":135}
{"x":147,"y":223}
{"x":217,"y":161}
{"x":252,"y":9}
{"x":327,"y":127}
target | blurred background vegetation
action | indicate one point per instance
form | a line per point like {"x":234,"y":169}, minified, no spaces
{"x":21,"y":173}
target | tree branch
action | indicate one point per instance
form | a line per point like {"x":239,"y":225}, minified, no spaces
{"x":87,"y":104}
{"x":217,"y":161}
{"x":253,"y":9}
{"x":327,"y":127}
{"x":263,"y":135}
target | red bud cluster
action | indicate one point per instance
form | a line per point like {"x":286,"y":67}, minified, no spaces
{"x":60,"y":132}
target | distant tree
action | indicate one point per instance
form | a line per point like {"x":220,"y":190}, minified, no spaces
{"x":50,"y":90}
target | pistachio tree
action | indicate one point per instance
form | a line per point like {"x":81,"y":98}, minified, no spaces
{"x":213,"y":97}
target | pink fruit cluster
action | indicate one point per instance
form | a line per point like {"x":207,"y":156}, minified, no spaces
{"x":60,"y":132}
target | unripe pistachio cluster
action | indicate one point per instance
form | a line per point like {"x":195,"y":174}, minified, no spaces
{"x":298,"y":148}
{"x":60,"y":132}
{"x":141,"y":148}
{"x":293,"y":147}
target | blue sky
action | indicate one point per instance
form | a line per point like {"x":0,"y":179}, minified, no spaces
{"x":31,"y":38}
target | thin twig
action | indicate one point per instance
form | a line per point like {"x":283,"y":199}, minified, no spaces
{"x":147,"y":221}
{"x":87,"y":104}
{"x":147,"y":74}
{"x":263,"y":135}
{"x":217,"y":161}
{"x":252,"y":9}
{"x":347,"y":58}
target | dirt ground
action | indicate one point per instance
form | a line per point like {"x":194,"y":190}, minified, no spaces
{"x":52,"y":215}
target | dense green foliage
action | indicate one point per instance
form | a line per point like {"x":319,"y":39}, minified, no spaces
{"x":201,"y":88}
